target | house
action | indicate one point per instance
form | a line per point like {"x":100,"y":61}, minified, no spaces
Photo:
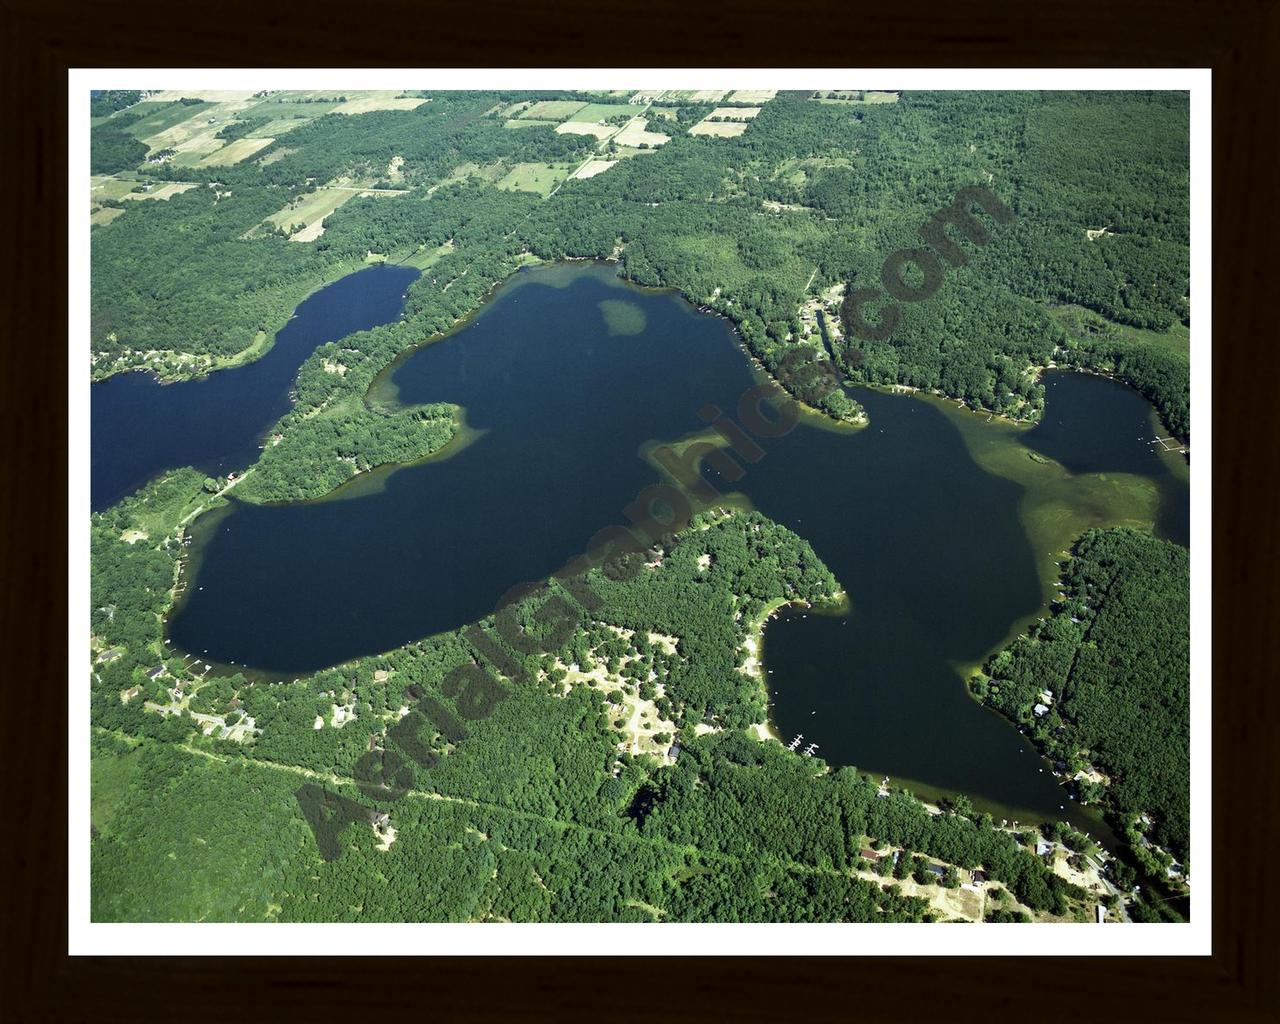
{"x":1046,"y":696}
{"x":1102,"y":913}
{"x":1040,"y":710}
{"x":869,"y":854}
{"x":1043,"y":847}
{"x":979,"y":876}
{"x":938,"y":869}
{"x":156,"y":673}
{"x":673,"y":751}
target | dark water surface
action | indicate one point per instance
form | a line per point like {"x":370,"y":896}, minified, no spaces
{"x":929,"y":545}
{"x":140,"y":427}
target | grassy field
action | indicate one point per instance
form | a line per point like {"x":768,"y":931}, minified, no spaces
{"x":110,"y":772}
{"x":1077,"y":321}
{"x":384,"y":99}
{"x":163,"y":190}
{"x":165,"y":117}
{"x":735,"y":113}
{"x":310,"y":211}
{"x":552,"y":110}
{"x":539,"y":178}
{"x":637,"y":132}
{"x":593,"y":167}
{"x":286,"y":109}
{"x":719,"y":129}
{"x":523,"y":123}
{"x":600,"y":131}
{"x":104,"y":215}
{"x":106,"y":186}
{"x":234,"y":152}
{"x":752,"y":96}
{"x":591,"y":112}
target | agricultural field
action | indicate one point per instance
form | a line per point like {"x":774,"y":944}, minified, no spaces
{"x":600,"y":131}
{"x":104,"y":215}
{"x":719,"y":129}
{"x":166,"y":116}
{"x":386,"y":99}
{"x":856,"y":96}
{"x":592,"y":167}
{"x":552,"y":110}
{"x":752,"y":96}
{"x":524,"y":123}
{"x":309,"y":211}
{"x":734,"y":113}
{"x":539,"y":178}
{"x":592,"y":112}
{"x":694,"y":95}
{"x":106,"y":186}
{"x":165,"y":190}
{"x":636,"y":134}
{"x":234,"y":152}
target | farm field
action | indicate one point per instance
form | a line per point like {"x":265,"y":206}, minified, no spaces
{"x":309,"y":213}
{"x":165,"y":190}
{"x":104,"y":215}
{"x":592,"y":112}
{"x":637,"y":133}
{"x":752,"y":96}
{"x":164,"y":118}
{"x":719,"y":129}
{"x":552,"y":110}
{"x":234,"y":152}
{"x":388,"y":99}
{"x":592,"y":167}
{"x":600,"y":131}
{"x":735,"y":113}
{"x":532,"y":177}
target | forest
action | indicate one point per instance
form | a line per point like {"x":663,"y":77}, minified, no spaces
{"x":1115,"y":659}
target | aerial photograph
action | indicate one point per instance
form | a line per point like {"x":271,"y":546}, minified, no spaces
{"x":637,"y":505}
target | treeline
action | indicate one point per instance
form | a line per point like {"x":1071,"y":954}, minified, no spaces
{"x":1115,"y":658}
{"x":107,"y":102}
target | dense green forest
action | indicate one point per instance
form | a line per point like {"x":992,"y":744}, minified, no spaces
{"x":530,"y":812}
{"x":1115,"y":658}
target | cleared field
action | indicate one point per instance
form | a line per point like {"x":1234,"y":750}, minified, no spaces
{"x":308,"y":213}
{"x":166,"y":117}
{"x":694,"y":95}
{"x":104,"y":215}
{"x":600,"y":131}
{"x":104,"y":186}
{"x":196,"y":137}
{"x":274,"y":129}
{"x":164,"y":191}
{"x":636,"y":133}
{"x":539,"y":178}
{"x":735,"y":113}
{"x":591,"y":112}
{"x":592,"y":167}
{"x":552,"y":110}
{"x":522,"y":123}
{"x":753,"y":96}
{"x":387,"y":99}
{"x":719,"y":129}
{"x":286,"y":109}
{"x":856,"y":96}
{"x":233,"y":153}
{"x":209,"y":95}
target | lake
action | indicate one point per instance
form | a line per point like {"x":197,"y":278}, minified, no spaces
{"x":140,"y":427}
{"x":941,"y":527}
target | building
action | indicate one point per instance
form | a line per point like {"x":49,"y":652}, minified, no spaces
{"x":1040,"y":710}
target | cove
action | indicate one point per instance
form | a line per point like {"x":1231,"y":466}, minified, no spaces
{"x":140,"y":427}
{"x":566,"y":376}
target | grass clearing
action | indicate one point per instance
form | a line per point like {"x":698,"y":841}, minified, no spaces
{"x":384,"y":99}
{"x":1082,"y":323}
{"x":734,"y":113}
{"x":104,"y":215}
{"x":106,"y":186}
{"x":307,"y":213}
{"x":552,"y":110}
{"x":233,"y":153}
{"x":164,"y":118}
{"x":636,"y":133}
{"x":591,"y":168}
{"x":539,"y":178}
{"x":163,"y":190}
{"x":719,"y":129}
{"x":590,"y":113}
{"x":521,"y":123}
{"x":600,"y":131}
{"x":752,"y":96}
